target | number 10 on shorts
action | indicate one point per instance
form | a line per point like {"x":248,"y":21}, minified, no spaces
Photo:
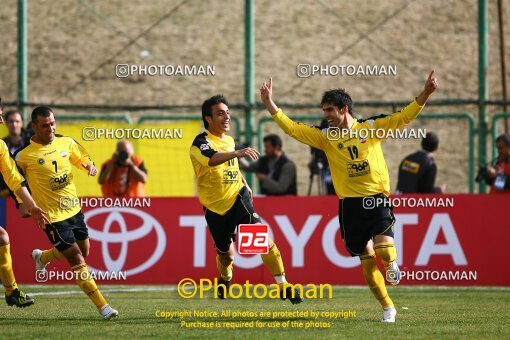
{"x":253,"y":239}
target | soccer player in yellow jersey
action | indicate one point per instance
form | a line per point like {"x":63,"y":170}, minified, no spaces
{"x":15,"y":182}
{"x":46,"y":163}
{"x":226,"y":197}
{"x":360,"y":177}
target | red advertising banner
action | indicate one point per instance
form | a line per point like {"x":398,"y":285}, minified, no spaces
{"x":440,"y":240}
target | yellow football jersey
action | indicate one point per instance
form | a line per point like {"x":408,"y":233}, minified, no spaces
{"x":10,"y":173}
{"x":357,"y":163}
{"x":47,"y":169}
{"x":218,"y":185}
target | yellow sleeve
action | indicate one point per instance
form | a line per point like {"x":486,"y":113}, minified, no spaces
{"x":199,"y":156}
{"x":10,"y":173}
{"x":400,"y":119}
{"x":79,"y":156}
{"x":301,"y":132}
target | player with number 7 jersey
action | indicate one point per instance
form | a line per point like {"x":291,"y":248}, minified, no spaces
{"x":48,"y":170}
{"x":47,"y":164}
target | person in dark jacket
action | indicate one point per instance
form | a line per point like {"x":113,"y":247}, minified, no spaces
{"x":275,"y":171}
{"x":417,"y":171}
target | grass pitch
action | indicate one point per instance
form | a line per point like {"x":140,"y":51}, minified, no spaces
{"x":430,"y":312}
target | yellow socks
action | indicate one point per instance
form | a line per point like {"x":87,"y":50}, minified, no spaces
{"x":88,"y":285}
{"x":375,"y":280}
{"x":225,"y":271}
{"x":273,"y":261}
{"x":386,"y":252}
{"x":6,"y":273}
{"x":51,"y":255}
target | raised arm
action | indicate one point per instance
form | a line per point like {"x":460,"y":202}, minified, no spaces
{"x":301,"y":132}
{"x":429,"y":88}
{"x":402,"y":118}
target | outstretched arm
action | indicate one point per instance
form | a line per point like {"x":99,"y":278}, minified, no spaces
{"x":303,"y":133}
{"x":402,"y":118}
{"x":222,"y":157}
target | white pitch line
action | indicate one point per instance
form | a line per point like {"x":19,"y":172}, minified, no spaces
{"x":174,"y":288}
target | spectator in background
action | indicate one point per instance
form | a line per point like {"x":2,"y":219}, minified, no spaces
{"x":319,"y":166}
{"x":17,"y":139}
{"x":498,"y":177}
{"x":417,"y":171}
{"x":276,"y":173}
{"x":124,"y":175}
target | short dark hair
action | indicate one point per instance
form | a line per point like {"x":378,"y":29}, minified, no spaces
{"x":42,"y":111}
{"x":275,"y":140}
{"x":337,"y":97}
{"x":430,"y":142}
{"x":505,"y":138}
{"x":209,"y":103}
{"x":12,"y":112}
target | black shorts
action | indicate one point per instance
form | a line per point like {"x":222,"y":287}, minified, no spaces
{"x":223,"y":229}
{"x":64,"y":233}
{"x":359,"y":224}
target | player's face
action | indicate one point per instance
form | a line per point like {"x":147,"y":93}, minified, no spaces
{"x":45,"y":128}
{"x":333,"y":114}
{"x":220,"y":121}
{"x":503,"y":150}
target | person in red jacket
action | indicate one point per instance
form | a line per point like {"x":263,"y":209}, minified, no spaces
{"x":124,"y":175}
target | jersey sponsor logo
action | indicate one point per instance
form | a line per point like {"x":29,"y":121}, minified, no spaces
{"x":40,"y":161}
{"x":409,"y":166}
{"x":60,"y":182}
{"x":49,"y":153}
{"x":204,"y":147}
{"x":230,"y":176}
{"x":135,"y":226}
{"x":361,"y":168}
